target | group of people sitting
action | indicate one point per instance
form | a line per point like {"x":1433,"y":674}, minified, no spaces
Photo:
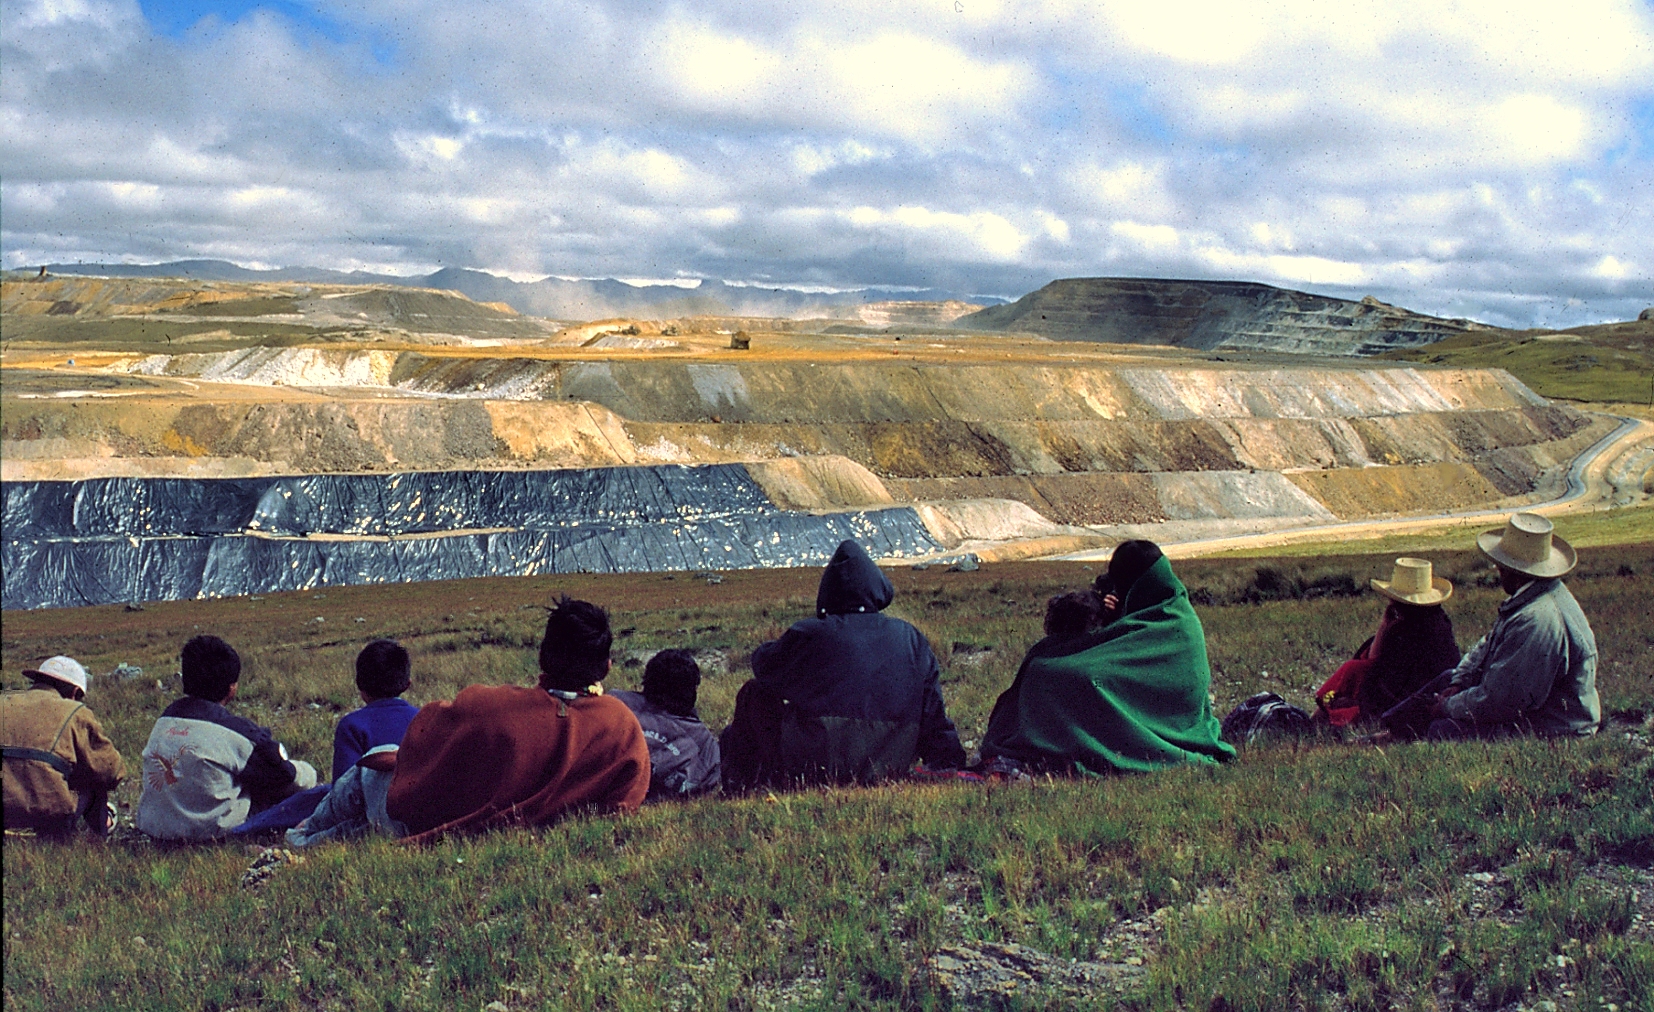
{"x":1120,"y":682}
{"x":1535,"y":672}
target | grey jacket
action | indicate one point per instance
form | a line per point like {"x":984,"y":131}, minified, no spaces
{"x":1537,"y":666}
{"x":683,"y":755}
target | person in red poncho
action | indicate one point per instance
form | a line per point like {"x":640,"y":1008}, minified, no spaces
{"x":505,"y":755}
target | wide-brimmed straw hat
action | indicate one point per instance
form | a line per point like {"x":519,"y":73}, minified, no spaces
{"x":1529,"y":545}
{"x":1412,"y":582}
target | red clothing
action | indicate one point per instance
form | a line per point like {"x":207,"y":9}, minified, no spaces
{"x":500,"y":755}
{"x":1414,"y":644}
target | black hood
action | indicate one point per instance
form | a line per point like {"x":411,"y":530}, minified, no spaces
{"x":852,"y":583}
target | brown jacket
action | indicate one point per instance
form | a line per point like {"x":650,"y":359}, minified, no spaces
{"x":501,"y":755}
{"x":42,"y":720}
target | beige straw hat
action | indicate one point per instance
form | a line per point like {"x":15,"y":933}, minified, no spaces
{"x":1529,"y":545}
{"x":1412,"y":582}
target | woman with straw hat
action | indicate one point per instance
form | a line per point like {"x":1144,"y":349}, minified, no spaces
{"x":1536,"y":669}
{"x":1414,"y":643}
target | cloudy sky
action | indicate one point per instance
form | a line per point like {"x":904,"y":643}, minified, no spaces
{"x":1483,"y":159}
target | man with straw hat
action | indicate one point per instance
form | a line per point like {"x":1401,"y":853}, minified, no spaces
{"x":1413,"y":645}
{"x":59,"y":765}
{"x":1536,"y":669}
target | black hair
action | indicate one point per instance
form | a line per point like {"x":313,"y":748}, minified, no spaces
{"x":670,"y":681}
{"x":383,"y":669}
{"x":1072,"y":613}
{"x":210,"y":667}
{"x":575,"y":650}
{"x":1131,"y":559}
{"x":41,"y":680}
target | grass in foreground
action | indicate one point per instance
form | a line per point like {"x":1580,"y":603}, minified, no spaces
{"x":1318,"y":877}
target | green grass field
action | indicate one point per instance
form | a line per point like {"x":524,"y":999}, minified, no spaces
{"x":1305,"y":876}
{"x":1627,"y":525}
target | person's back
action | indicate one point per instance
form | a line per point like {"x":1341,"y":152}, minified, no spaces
{"x":683,"y":753}
{"x":1131,"y":695}
{"x":1416,"y":646}
{"x":205,"y":768}
{"x":384,"y":671}
{"x":861,"y":691}
{"x":510,"y":755}
{"x":1413,"y":645}
{"x":58,"y":765}
{"x":1535,"y":670}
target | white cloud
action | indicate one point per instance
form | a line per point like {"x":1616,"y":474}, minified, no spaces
{"x":1154,"y":240}
{"x":1284,"y":269}
{"x":1612,"y":269}
{"x":1476,"y":158}
{"x":984,"y":233}
{"x":1133,"y":186}
{"x":896,"y":84}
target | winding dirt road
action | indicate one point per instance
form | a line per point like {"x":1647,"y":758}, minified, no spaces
{"x":1589,"y":488}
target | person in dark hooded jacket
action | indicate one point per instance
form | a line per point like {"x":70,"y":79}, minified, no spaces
{"x":848,"y":696}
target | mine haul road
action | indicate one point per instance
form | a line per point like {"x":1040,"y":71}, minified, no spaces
{"x":1587,"y":489}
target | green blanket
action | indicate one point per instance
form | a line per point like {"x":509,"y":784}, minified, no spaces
{"x":1129,"y":696}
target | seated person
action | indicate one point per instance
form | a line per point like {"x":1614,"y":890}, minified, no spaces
{"x":1128,"y":695}
{"x":1535,"y":672}
{"x":1072,"y":614}
{"x":206,"y":769}
{"x":502,"y":755}
{"x":383,"y":673}
{"x":59,"y":766}
{"x":1413,"y":645}
{"x":355,"y":806}
{"x":683,"y":754}
{"x":848,"y":696}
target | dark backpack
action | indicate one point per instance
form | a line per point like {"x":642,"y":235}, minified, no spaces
{"x":1263,"y":716}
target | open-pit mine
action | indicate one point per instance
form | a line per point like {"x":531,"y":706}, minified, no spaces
{"x":174,"y":438}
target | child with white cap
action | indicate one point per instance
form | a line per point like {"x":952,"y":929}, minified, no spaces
{"x":59,"y":765}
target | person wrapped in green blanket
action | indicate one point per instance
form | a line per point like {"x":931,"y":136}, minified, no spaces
{"x":1129,"y":694}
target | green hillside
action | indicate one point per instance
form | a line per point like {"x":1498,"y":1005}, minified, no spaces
{"x":1612,"y":362}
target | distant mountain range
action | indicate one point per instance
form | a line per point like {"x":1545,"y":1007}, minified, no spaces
{"x":1200,"y":314}
{"x":554,"y":297}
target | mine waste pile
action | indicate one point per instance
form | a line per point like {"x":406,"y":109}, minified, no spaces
{"x":144,"y":539}
{"x":168,"y":438}
{"x":1214,"y":315}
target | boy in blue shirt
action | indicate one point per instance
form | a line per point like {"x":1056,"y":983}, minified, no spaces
{"x":383,"y":673}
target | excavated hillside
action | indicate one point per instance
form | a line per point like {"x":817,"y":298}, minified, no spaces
{"x":911,"y":438}
{"x":1066,"y":438}
{"x":1211,"y":315}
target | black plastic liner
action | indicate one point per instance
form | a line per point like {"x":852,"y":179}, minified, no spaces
{"x":412,"y":503}
{"x":129,"y":539}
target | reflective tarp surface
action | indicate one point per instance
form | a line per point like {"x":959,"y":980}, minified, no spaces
{"x":151,"y":539}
